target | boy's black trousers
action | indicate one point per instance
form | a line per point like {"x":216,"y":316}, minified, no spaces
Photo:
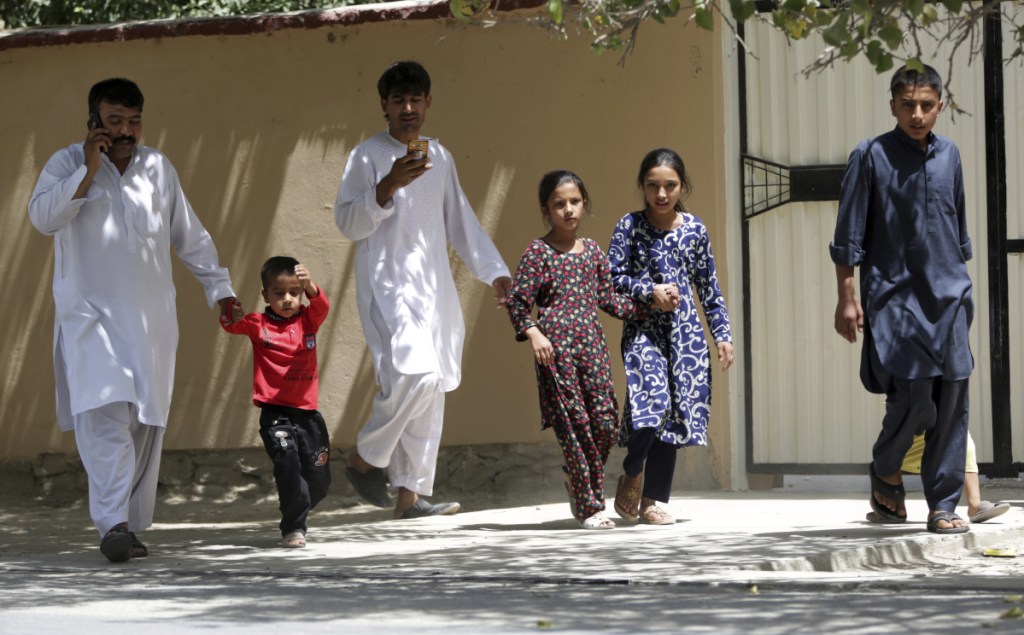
{"x":296,"y":441}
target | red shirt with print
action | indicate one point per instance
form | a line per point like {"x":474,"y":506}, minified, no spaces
{"x":284,"y":354}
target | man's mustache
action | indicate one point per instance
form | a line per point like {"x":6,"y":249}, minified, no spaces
{"x":126,"y":137}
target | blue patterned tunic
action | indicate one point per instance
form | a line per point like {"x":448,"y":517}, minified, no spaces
{"x":668,"y":369}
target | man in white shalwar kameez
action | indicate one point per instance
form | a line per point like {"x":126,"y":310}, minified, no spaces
{"x":402,"y":210}
{"x":115,"y":209}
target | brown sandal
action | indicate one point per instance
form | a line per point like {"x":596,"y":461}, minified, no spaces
{"x":654,"y":515}
{"x":627,"y":500}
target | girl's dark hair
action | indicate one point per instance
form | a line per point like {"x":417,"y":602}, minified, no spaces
{"x":404,"y":78}
{"x":116,"y":90}
{"x":275,"y":266}
{"x":556,"y":179}
{"x":668,"y":158}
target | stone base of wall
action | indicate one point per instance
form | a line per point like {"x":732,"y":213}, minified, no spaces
{"x":494,"y":475}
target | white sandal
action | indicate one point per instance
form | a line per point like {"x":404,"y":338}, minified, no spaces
{"x":294,"y":539}
{"x":598,"y":521}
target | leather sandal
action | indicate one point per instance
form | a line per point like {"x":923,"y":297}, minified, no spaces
{"x":895,"y":493}
{"x":138,"y":549}
{"x":117,"y":544}
{"x":627,"y":500}
{"x":655,"y":515}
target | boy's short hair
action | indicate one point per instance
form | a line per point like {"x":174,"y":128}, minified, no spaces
{"x":116,"y":90}
{"x":907,"y":77}
{"x":275,"y":266}
{"x":404,"y":78}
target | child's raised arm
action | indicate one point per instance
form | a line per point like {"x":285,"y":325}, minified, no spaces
{"x":306,"y":281}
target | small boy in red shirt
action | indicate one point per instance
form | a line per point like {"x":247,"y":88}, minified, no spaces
{"x":285,"y":386}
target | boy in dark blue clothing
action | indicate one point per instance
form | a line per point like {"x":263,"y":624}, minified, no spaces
{"x":902,"y":221}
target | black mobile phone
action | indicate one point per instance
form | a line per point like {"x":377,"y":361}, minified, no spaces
{"x":95,"y":122}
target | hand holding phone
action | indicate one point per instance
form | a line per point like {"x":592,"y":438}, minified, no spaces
{"x":417,"y":148}
{"x":96,"y":122}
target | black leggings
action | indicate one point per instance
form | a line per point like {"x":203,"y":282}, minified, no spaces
{"x":296,"y":441}
{"x":655,"y":458}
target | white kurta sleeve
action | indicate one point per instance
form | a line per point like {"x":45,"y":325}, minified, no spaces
{"x":356,"y":212}
{"x":52,"y":206}
{"x":465,"y":234}
{"x":193,"y":243}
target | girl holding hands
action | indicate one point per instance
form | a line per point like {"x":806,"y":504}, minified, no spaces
{"x":568,"y":279}
{"x":657,"y":256}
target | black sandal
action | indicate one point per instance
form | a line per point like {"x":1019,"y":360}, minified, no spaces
{"x":892,"y":492}
{"x":117,"y":544}
{"x":138,"y":549}
{"x":949,"y":517}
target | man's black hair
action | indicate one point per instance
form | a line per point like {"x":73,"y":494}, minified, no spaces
{"x":404,"y":78}
{"x":275,"y":266}
{"x":116,"y":90}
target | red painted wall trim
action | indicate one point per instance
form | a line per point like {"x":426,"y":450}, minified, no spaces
{"x":241,"y":25}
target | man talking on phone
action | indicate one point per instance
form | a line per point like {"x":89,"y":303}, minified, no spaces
{"x":115,"y":209}
{"x":402,"y":206}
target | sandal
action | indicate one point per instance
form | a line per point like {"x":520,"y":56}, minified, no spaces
{"x":138,"y":550}
{"x":988,"y":511}
{"x":294,"y":539}
{"x":627,"y":501}
{"x":117,"y":544}
{"x":892,"y":492}
{"x":598,"y":521}
{"x":655,"y":515}
{"x":949,"y":517}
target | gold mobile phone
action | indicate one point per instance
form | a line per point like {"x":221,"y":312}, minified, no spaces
{"x":418,"y":148}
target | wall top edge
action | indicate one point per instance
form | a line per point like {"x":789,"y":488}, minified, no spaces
{"x":242,"y":25}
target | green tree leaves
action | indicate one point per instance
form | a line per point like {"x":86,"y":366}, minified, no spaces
{"x":885,"y":32}
{"x":30,"y":13}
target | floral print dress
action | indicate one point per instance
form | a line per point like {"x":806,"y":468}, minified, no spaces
{"x":668,"y":369}
{"x":577,"y":398}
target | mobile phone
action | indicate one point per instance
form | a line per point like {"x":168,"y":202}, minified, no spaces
{"x":95,"y":122}
{"x":418,"y":148}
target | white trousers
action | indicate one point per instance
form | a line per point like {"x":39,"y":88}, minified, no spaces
{"x":403,"y":432}
{"x":122,"y":459}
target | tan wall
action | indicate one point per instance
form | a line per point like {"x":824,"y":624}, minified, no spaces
{"x":259,"y":127}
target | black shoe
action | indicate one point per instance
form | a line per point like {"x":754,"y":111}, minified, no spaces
{"x":371,"y":486}
{"x":422,"y":509}
{"x":117,"y":544}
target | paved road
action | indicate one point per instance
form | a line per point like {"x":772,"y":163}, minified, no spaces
{"x":749,"y":562}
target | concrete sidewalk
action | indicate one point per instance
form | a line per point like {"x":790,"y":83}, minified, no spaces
{"x":744,"y":563}
{"x":720,"y":537}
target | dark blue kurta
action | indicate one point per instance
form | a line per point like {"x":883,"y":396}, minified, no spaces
{"x":902,"y":221}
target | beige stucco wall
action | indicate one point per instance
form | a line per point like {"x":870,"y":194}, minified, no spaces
{"x":259,"y":127}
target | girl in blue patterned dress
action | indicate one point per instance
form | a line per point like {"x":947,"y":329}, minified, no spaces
{"x":657,"y":256}
{"x":568,"y":280}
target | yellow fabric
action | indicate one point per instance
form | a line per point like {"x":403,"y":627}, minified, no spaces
{"x":912,"y":461}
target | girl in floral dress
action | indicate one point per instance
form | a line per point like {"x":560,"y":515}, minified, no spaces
{"x":657,"y":256}
{"x":567,"y":278}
